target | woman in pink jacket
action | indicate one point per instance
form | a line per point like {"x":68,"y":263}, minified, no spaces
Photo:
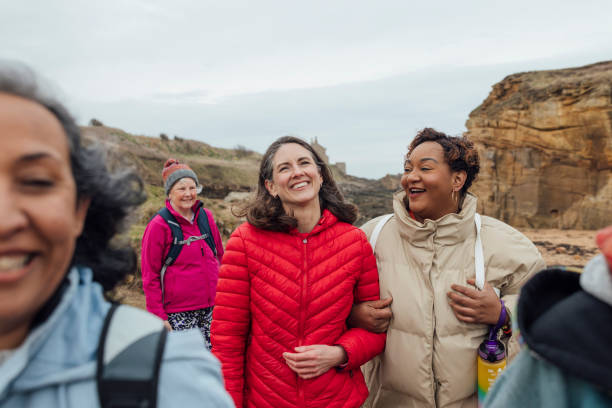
{"x":183,"y":292}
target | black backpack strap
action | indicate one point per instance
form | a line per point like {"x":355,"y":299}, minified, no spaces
{"x":205,"y":230}
{"x":177,"y":235}
{"x":130,"y":351}
{"x":175,"y":246}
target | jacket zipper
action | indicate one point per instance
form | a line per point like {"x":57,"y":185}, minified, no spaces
{"x":433,"y":331}
{"x":302,"y":322}
{"x":204,"y":256}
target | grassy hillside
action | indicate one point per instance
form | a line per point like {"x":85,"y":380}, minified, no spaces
{"x":220,"y":171}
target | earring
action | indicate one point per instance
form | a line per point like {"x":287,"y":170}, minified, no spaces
{"x":454,"y":196}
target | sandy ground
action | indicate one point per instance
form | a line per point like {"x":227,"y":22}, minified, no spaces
{"x":558,"y":247}
{"x":564,"y":247}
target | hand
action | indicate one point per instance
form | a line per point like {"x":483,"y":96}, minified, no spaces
{"x":475,"y":306}
{"x":373,"y":316}
{"x":167,"y":325}
{"x":604,"y":242}
{"x":312,"y":361}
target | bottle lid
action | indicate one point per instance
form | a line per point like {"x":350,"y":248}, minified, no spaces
{"x":492,"y":350}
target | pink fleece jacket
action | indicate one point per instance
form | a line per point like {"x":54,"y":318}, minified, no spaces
{"x":190,"y":283}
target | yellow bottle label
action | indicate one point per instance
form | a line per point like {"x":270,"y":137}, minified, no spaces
{"x":487,"y":373}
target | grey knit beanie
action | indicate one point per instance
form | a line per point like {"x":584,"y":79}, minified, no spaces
{"x":174,"y":171}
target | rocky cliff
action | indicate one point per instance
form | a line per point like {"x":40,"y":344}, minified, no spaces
{"x":545,"y":142}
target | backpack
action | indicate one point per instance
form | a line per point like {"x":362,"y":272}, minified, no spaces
{"x":128,"y":361}
{"x":177,"y":238}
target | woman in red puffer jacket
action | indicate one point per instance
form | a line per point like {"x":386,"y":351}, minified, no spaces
{"x":288,"y":280}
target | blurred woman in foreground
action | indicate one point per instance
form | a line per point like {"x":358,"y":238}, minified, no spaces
{"x":59,"y":209}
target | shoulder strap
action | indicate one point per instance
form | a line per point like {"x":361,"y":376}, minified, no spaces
{"x":129,"y":357}
{"x":175,"y":246}
{"x":204,"y":226}
{"x":377,"y":229}
{"x":479,"y":256}
{"x":177,"y":235}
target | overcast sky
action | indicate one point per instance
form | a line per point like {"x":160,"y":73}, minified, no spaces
{"x":362,"y":76}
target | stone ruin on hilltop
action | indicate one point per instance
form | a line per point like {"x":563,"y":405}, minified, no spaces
{"x":321,"y":151}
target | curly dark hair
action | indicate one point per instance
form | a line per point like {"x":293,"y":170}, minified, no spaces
{"x":266,"y":212}
{"x":459,"y":153}
{"x":112,"y":195}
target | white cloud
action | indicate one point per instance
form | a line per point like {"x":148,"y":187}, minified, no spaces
{"x":334,"y":69}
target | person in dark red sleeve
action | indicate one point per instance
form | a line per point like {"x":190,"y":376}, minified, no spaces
{"x":288,"y":280}
{"x":565,"y":320}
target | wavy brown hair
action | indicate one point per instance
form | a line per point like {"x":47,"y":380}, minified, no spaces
{"x":267,"y":212}
{"x":459,"y":153}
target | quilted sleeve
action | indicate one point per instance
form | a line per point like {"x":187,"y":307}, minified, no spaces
{"x":154,"y":247}
{"x":231,"y":317}
{"x":362,"y":345}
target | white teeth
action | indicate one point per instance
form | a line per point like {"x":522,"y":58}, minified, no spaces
{"x":300,"y":185}
{"x":9,"y":262}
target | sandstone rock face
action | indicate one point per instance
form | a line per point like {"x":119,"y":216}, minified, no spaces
{"x":545,"y":144}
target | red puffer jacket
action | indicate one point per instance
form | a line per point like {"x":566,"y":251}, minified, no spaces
{"x":278,"y":291}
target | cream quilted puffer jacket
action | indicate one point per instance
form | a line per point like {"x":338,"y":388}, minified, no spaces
{"x":430,"y":356}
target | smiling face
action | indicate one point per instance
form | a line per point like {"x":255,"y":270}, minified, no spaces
{"x":183,"y":195}
{"x":40,"y":218}
{"x":429,"y":182}
{"x":296,"y":179}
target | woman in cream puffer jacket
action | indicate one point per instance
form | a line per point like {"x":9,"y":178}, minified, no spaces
{"x":425,"y":256}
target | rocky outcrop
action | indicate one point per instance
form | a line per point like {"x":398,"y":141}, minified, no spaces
{"x":545,"y":142}
{"x":372,"y":197}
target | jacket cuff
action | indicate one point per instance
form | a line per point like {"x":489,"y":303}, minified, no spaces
{"x":342,"y":366}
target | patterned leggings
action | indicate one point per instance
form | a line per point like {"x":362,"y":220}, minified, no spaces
{"x":193,"y":319}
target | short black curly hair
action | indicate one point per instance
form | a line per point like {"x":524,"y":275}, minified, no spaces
{"x":459,"y":153}
{"x":112,"y":195}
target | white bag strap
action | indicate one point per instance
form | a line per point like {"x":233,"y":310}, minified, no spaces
{"x":479,"y":257}
{"x":377,"y":229}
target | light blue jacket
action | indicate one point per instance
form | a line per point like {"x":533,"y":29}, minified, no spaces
{"x":55,"y":366}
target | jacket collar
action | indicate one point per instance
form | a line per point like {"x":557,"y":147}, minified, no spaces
{"x":597,"y":280}
{"x":327,"y":220}
{"x":448,"y":230}
{"x":46,"y":355}
{"x":179,"y":218}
